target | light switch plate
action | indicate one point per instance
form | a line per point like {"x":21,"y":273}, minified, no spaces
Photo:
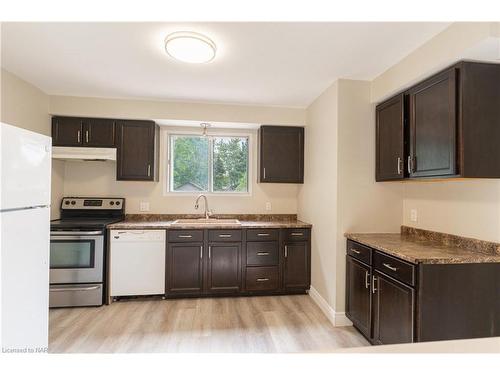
{"x":268,"y":206}
{"x":413,"y":215}
{"x":144,"y":207}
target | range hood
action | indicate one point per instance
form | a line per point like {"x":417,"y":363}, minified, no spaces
{"x":84,"y":153}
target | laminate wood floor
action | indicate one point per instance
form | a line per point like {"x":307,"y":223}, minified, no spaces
{"x":246,"y":324}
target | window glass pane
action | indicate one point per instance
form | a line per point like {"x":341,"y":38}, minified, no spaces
{"x":230,"y":164}
{"x":190,"y":163}
{"x":71,"y":254}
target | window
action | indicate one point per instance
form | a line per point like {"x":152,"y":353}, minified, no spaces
{"x":214,"y":164}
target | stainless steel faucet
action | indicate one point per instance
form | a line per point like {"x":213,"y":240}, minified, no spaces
{"x":207,"y":210}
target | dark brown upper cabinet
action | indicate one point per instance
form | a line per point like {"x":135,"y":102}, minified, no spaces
{"x":99,"y":132}
{"x":281,"y":154}
{"x":390,"y":138}
{"x":86,"y":132}
{"x":67,"y":131}
{"x":433,"y":126}
{"x":138,"y":144}
{"x":450,"y":122}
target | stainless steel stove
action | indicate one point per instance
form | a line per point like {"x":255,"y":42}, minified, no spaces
{"x":78,"y":250}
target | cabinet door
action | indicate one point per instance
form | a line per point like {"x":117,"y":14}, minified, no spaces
{"x":393,"y":311}
{"x":99,"y":133}
{"x":281,"y":154}
{"x":224,"y":268}
{"x":433,"y":125}
{"x":67,"y":131}
{"x":296,"y":265}
{"x":184,"y":268}
{"x":390,"y":156}
{"x":136,"y":150}
{"x":358,"y":295}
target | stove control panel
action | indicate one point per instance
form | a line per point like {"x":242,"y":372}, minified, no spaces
{"x":73,"y":203}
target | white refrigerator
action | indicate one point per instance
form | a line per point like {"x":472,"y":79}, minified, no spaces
{"x":25,"y":168}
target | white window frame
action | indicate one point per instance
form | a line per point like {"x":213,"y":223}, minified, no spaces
{"x":167,"y":162}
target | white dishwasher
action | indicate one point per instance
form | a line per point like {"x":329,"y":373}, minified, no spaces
{"x":137,"y":262}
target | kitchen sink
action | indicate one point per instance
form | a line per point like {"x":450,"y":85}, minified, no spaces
{"x":202,"y":221}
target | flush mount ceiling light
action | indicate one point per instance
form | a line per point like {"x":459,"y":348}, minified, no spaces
{"x":190,"y":47}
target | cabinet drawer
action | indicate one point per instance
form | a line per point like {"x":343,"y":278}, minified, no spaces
{"x":224,"y":235}
{"x":185,"y":236}
{"x":262,"y":253}
{"x":299,"y":234}
{"x":262,"y":234}
{"x":360,"y":252}
{"x":394,"y":267}
{"x":262,"y":278}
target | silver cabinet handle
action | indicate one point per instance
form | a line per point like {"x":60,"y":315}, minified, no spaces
{"x":201,"y":252}
{"x":262,"y":253}
{"x":78,"y":136}
{"x":387,"y":265}
{"x":76,"y":233}
{"x":409,"y":164}
{"x":149,"y":170}
{"x":263,"y":279}
{"x":87,"y":136}
{"x":185,"y":236}
{"x":374,"y":290}
{"x":400,"y":161}
{"x":264,"y":173}
{"x":262,"y":234}
{"x":367,"y":280}
{"x":77,"y":289}
{"x":355,"y":251}
{"x":225,"y":235}
{"x":209,"y":252}
{"x":297,"y":234}
{"x":286,"y":251}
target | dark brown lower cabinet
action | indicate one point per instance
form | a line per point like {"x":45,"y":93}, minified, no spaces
{"x":359,"y":302}
{"x":184,"y":268}
{"x":404,"y":302}
{"x":214,"y":262}
{"x":224,"y":268}
{"x":296,"y":266}
{"x":393,"y":310}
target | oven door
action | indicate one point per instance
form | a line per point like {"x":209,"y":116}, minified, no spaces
{"x":76,"y":257}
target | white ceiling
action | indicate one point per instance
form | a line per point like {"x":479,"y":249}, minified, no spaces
{"x":283,"y":64}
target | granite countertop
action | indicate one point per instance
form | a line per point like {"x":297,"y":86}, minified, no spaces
{"x":421,"y":246}
{"x":246,"y":221}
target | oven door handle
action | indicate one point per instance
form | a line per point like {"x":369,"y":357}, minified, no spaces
{"x":76,"y":233}
{"x":76,"y":289}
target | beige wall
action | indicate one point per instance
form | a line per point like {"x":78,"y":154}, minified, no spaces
{"x":318,"y":196}
{"x":25,"y":106}
{"x":143,"y":109}
{"x":468,"y":208}
{"x":340,"y":193}
{"x":99,"y":178}
{"x":363,"y":204}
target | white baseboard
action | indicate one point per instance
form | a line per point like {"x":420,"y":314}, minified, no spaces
{"x":338,"y":319}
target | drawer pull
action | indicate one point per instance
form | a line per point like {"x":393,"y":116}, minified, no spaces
{"x":225,"y":235}
{"x":263,"y":234}
{"x":355,"y":251}
{"x":297,"y":234}
{"x":367,"y":280}
{"x":286,"y":251}
{"x":387,"y":265}
{"x":185,"y":236}
{"x":77,"y":289}
{"x":262,"y":253}
{"x":263,"y":279}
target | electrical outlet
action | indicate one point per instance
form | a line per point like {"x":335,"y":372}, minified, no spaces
{"x":413,"y":215}
{"x":144,"y":207}
{"x":268,"y":206}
